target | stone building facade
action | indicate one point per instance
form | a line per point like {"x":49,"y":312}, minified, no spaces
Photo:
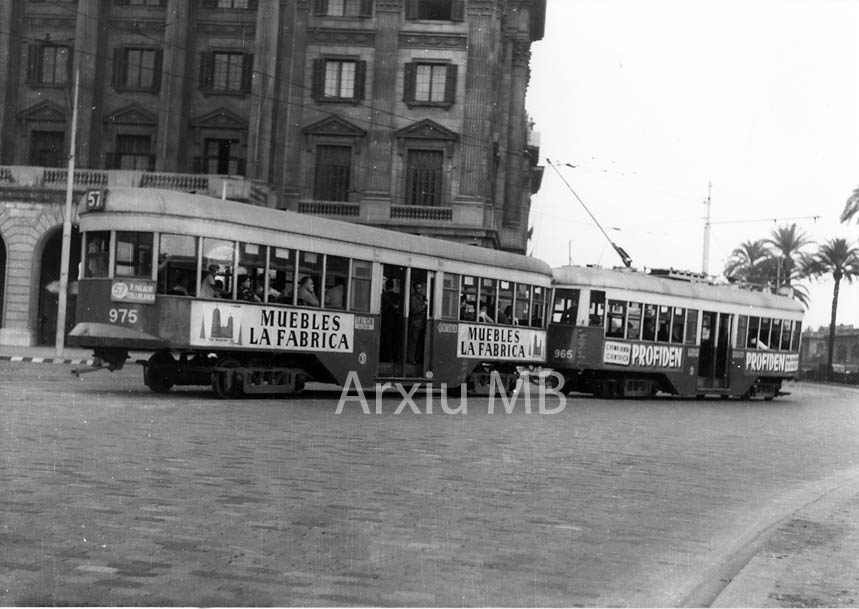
{"x":406,"y":114}
{"x":815,"y":349}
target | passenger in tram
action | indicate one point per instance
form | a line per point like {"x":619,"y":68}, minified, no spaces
{"x":306,"y":295}
{"x":334,"y":295}
{"x":466,"y":310}
{"x":388,"y":347}
{"x":506,"y":316}
{"x":96,"y":259}
{"x":245,"y":290}
{"x":179,"y":288}
{"x":483,"y":316}
{"x":417,"y":323}
{"x":209,"y":285}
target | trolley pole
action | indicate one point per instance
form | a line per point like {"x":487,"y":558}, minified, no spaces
{"x":705,"y":263}
{"x":67,"y":227}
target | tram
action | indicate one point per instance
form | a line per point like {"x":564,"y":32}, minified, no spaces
{"x":249,"y":299}
{"x":623,"y":333}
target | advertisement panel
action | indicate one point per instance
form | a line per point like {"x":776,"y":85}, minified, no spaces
{"x":510,"y":343}
{"x":643,"y":355}
{"x":757,"y":361}
{"x":220,"y":325}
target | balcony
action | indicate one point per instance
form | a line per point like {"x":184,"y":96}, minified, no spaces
{"x":20,"y":177}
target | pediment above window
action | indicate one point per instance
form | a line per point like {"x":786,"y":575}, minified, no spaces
{"x":335,"y":126}
{"x":427,"y":130}
{"x":132,"y":115}
{"x":220,"y":119}
{"x":45,"y":111}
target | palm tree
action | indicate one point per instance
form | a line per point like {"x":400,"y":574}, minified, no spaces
{"x":787,"y":243}
{"x":745,"y":262}
{"x":851,"y":208}
{"x":841,"y":259}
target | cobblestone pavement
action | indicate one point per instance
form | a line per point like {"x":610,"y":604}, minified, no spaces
{"x":111,"y":495}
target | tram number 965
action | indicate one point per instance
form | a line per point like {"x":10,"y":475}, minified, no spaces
{"x":563,"y":354}
{"x":122,"y":316}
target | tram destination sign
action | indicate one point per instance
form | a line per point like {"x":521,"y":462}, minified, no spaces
{"x":215,"y":324}
{"x":132,"y":290}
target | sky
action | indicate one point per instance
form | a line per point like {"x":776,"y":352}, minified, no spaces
{"x":654,"y":104}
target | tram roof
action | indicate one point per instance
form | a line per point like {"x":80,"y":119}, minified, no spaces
{"x":640,"y":282}
{"x":180,"y":204}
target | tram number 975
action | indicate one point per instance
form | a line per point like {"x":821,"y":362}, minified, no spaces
{"x":122,"y":316}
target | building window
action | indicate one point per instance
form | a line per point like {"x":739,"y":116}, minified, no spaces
{"x":231,"y":4}
{"x":137,"y":69}
{"x":333,"y":173}
{"x":221,"y":157}
{"x":226,"y":72}
{"x":424,"y":177}
{"x":343,"y":8}
{"x":435,"y":10}
{"x":49,"y":64}
{"x":47,"y":148}
{"x":338,"y":79}
{"x":133,"y":152}
{"x":430,"y":84}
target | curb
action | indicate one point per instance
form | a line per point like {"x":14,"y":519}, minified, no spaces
{"x":45,"y":360}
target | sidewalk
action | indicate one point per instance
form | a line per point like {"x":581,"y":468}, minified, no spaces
{"x":45,"y":355}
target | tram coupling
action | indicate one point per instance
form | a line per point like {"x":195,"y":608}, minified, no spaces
{"x":109,"y":359}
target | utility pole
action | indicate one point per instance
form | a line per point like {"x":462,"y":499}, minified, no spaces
{"x":67,"y":227}
{"x":705,"y":263}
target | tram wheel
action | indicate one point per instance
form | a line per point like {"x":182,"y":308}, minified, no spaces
{"x":160,"y":375}
{"x":224,"y":382}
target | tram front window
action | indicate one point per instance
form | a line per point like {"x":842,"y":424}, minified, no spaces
{"x":97,"y":253}
{"x":133,"y":255}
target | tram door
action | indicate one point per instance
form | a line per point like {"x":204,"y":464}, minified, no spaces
{"x":714,"y":362}
{"x":406,"y":310}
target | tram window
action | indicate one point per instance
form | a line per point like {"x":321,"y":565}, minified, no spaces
{"x":133,"y":255}
{"x":336,"y":274}
{"x":677,"y":322}
{"x":785,"y":335}
{"x":450,"y":296}
{"x":281,"y":273}
{"x":252,"y":264}
{"x":764,"y":337}
{"x":691,"y":326}
{"x":468,"y":299}
{"x":596,"y":310}
{"x":523,"y":303}
{"x":97,"y":253}
{"x":488,"y":300}
{"x":797,"y":335}
{"x":663,"y":325}
{"x":505,"y":302}
{"x":616,"y":315}
{"x":742,"y":329}
{"x":775,"y":334}
{"x":359,"y":291}
{"x":754,"y":328}
{"x":538,"y":307}
{"x":309,"y":266}
{"x":217,"y":256}
{"x":633,"y":321}
{"x":649,"y":324}
{"x":177,"y":264}
{"x":565,"y":309}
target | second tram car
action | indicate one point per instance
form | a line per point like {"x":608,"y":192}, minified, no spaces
{"x":621,"y":333}
{"x":257,"y":300}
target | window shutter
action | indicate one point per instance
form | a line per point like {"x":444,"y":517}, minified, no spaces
{"x":248,"y":73}
{"x":366,"y":8}
{"x":317,"y":87}
{"x":411,"y":9}
{"x":320,"y":7}
{"x":450,"y":84}
{"x":156,"y":72}
{"x":360,"y":79}
{"x":409,"y":83}
{"x":34,"y":55}
{"x":457,"y":10}
{"x":205,"y":71}
{"x":118,"y":77}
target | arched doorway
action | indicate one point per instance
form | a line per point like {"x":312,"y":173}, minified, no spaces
{"x":49,"y":277}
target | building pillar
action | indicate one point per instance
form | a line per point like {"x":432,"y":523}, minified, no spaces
{"x":515,"y":164}
{"x":10,"y":69}
{"x":263,"y":90}
{"x":383,"y":103}
{"x":86,"y":55}
{"x":291,"y":95}
{"x":480,"y":100}
{"x":172,"y":146}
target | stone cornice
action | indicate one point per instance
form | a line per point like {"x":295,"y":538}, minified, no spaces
{"x":388,"y":6}
{"x":247,"y":30}
{"x":134,"y":26}
{"x":53,"y":23}
{"x":361,"y":38}
{"x":422,"y":40}
{"x":481,"y":8}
